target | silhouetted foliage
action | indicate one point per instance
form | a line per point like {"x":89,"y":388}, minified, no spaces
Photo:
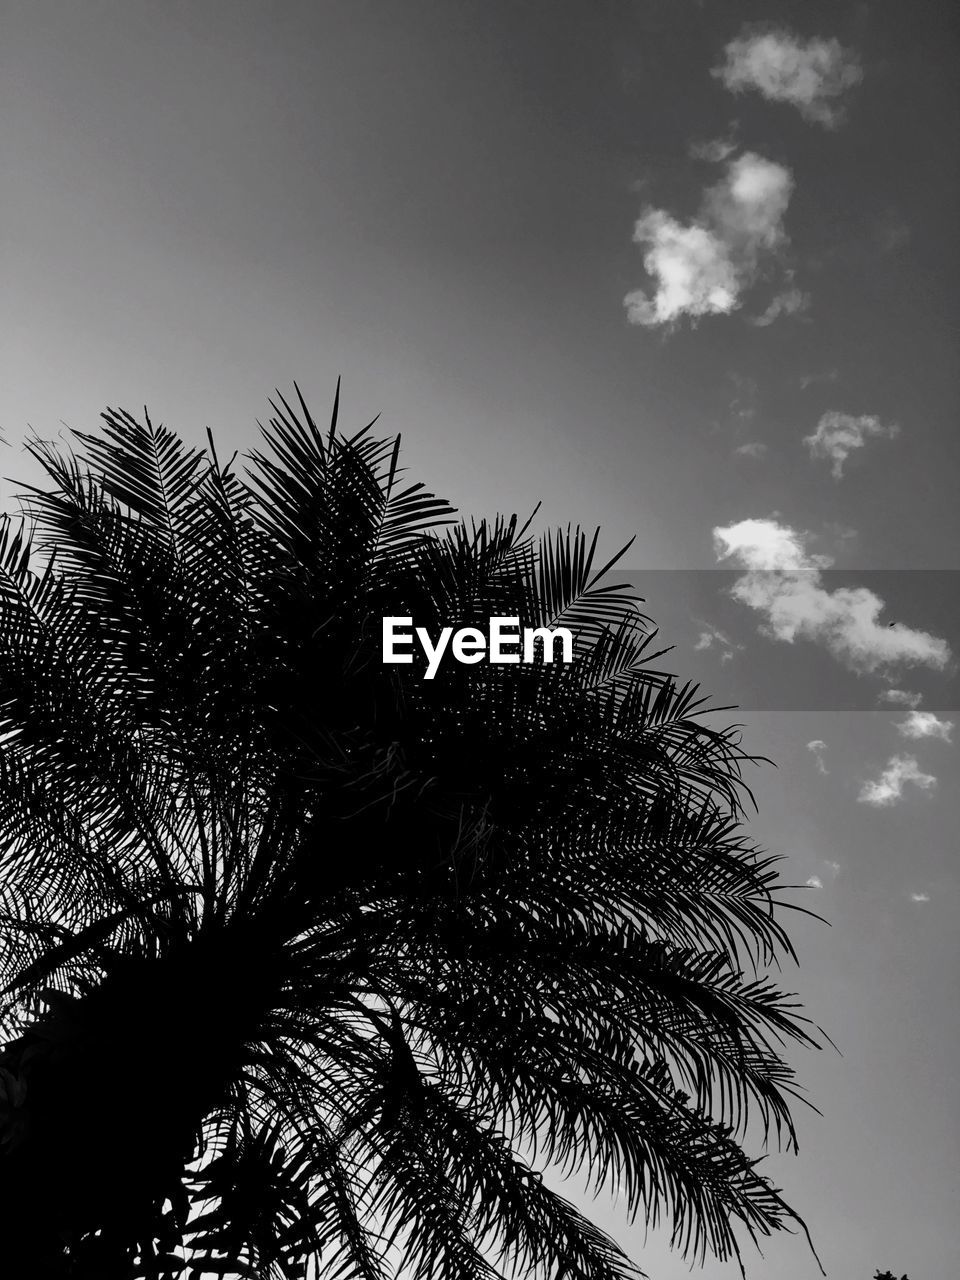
{"x":888,"y":1275}
{"x":302,"y":954}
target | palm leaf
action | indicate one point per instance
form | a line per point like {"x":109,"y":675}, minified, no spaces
{"x":401,"y":931}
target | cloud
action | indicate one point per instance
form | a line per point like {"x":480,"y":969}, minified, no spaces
{"x":752,"y":449}
{"x":693,"y":270}
{"x":919,"y":897}
{"x":891,"y":232}
{"x":711,"y":636}
{"x":833,"y":868}
{"x":748,"y":204}
{"x":790,"y":302}
{"x":702,"y":268}
{"x":838,"y":434}
{"x":924,"y":724}
{"x":815,"y":883}
{"x":901,"y":697}
{"x":765,"y":545}
{"x":746,"y":398}
{"x":888,"y":788}
{"x":812,"y":76}
{"x":813,"y":379}
{"x":715,"y":151}
{"x":818,"y":746}
{"x":784,"y":583}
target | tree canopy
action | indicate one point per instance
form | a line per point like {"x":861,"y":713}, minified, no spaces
{"x":307,"y":961}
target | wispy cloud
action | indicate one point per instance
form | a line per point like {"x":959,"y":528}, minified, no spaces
{"x":784,"y":583}
{"x":814,"y":379}
{"x":814,"y":882}
{"x":711,"y":636}
{"x":888,"y":788}
{"x":891,"y":232}
{"x":924,"y":724}
{"x":817,"y":747}
{"x":752,"y":449}
{"x":715,"y":150}
{"x":745,"y":401}
{"x":811,"y":75}
{"x":919,"y":897}
{"x":789,"y":302}
{"x":838,"y":434}
{"x":702,"y":268}
{"x":901,"y":697}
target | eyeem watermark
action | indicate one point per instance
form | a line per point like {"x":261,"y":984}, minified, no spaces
{"x":505,"y":642}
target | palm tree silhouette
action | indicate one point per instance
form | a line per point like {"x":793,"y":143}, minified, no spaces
{"x":306,"y":959}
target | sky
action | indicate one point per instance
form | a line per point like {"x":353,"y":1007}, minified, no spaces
{"x":687,"y":271}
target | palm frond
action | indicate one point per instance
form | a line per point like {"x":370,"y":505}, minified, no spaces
{"x":359,"y":953}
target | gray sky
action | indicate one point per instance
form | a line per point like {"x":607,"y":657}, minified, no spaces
{"x":448,"y":204}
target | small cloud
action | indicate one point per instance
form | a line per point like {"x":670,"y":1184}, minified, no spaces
{"x":888,"y":788}
{"x":762,"y":545}
{"x":715,"y":151}
{"x":815,"y":379}
{"x":891,"y":232}
{"x":712,"y":636}
{"x":745,"y":401}
{"x":838,"y":434}
{"x":752,"y":449}
{"x":833,"y":868}
{"x":812,"y":76}
{"x":919,"y":897}
{"x":901,"y":697}
{"x":791,"y":302}
{"x":924,"y":724}
{"x":815,"y":882}
{"x":694,"y":274}
{"x":817,"y":747}
{"x":784,"y":583}
{"x":702,"y":268}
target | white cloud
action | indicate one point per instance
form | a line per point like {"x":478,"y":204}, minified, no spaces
{"x":748,"y":204}
{"x":765,"y":545}
{"x":919,"y":897}
{"x":702,"y":268}
{"x":838,"y":434}
{"x":833,"y":868}
{"x":812,"y":76}
{"x":901,"y":697}
{"x":888,"y":788}
{"x":815,"y":883}
{"x":818,"y":746}
{"x":924,"y":724}
{"x":784,"y":583}
{"x":693,"y":270}
{"x":752,"y":449}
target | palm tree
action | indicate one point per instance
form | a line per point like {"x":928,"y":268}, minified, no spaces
{"x":308,"y":961}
